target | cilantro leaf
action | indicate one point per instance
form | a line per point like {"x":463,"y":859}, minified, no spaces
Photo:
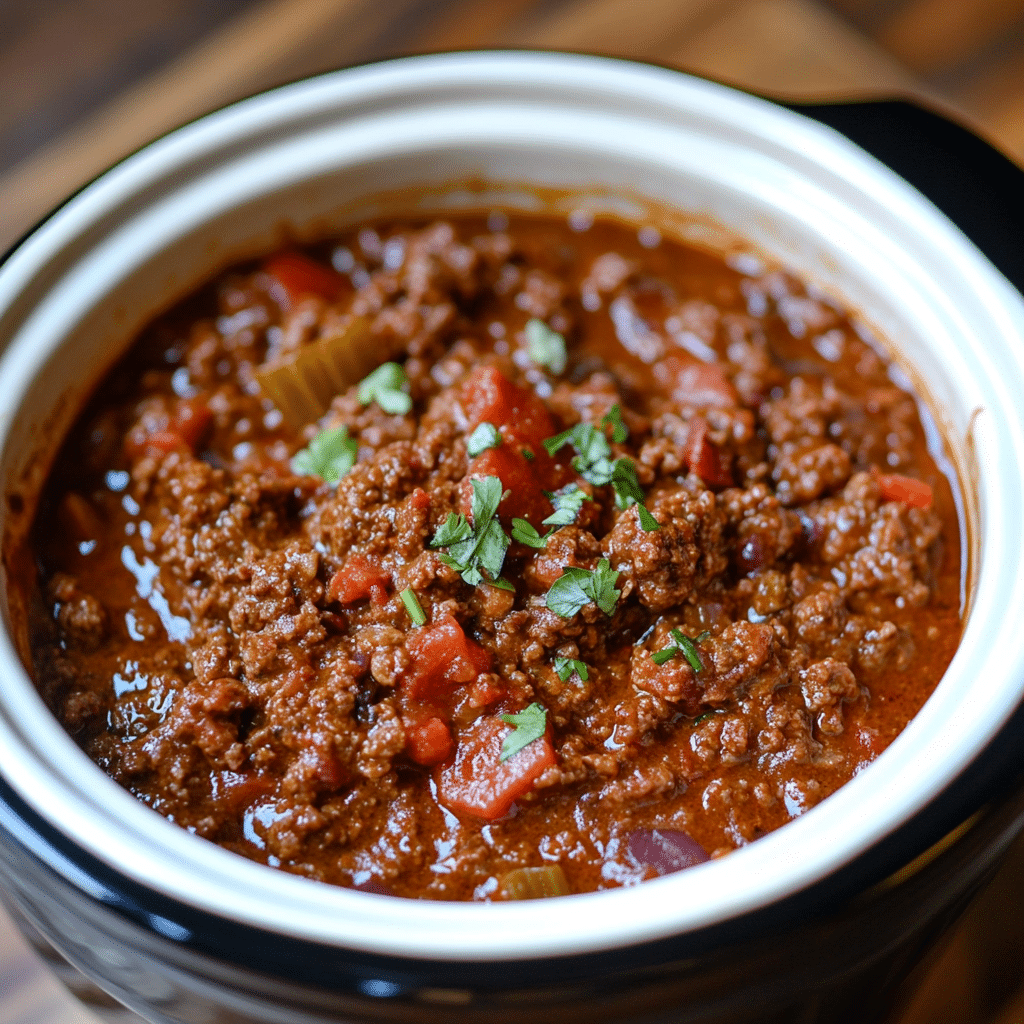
{"x":578,"y":587}
{"x":546,"y":347}
{"x":629,"y":492}
{"x":485,"y":436}
{"x":593,"y":462}
{"x":523,"y":532}
{"x":413,"y":606}
{"x":476,"y":551}
{"x":384,"y":386}
{"x":530,"y":725}
{"x":455,"y":528}
{"x":329,"y":455}
{"x":564,"y":667}
{"x":685,"y":645}
{"x":613,"y":418}
{"x":568,"y":502}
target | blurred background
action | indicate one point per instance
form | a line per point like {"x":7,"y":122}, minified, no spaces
{"x":84,"y":82}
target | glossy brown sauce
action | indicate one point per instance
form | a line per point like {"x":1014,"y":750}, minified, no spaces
{"x":229,"y":641}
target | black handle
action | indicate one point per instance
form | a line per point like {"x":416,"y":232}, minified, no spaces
{"x":971,"y":182}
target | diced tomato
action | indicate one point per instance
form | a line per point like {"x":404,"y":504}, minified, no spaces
{"x":515,"y":471}
{"x":490,"y":396}
{"x":478,"y":782}
{"x":298,"y":275}
{"x":359,"y":577}
{"x":894,"y":487}
{"x":161,"y":442}
{"x":161,"y":434}
{"x":691,"y":381}
{"x":428,"y":742}
{"x":443,"y":657}
{"x":704,"y":458}
{"x":418,"y":499}
{"x":192,"y":417}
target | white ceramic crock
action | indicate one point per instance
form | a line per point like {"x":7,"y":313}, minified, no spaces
{"x":518,"y":129}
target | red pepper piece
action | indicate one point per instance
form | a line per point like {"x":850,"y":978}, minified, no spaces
{"x":479,"y":783}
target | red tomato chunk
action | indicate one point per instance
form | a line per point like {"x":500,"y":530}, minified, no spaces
{"x":443,"y":657}
{"x":358,"y":578}
{"x":298,"y":275}
{"x":492,"y":398}
{"x":428,"y":742}
{"x":894,"y":487}
{"x":526,"y":499}
{"x":478,"y":782}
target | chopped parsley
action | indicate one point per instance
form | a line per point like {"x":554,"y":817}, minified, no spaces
{"x":564,"y":667}
{"x":685,"y":645}
{"x":568,"y":502}
{"x":413,"y":606}
{"x":329,"y":455}
{"x":700,"y":719}
{"x":523,"y":532}
{"x":476,"y":550}
{"x":546,"y":347}
{"x":485,"y":436}
{"x":629,"y":492}
{"x":385,"y":387}
{"x":593,"y":461}
{"x":613,"y":418}
{"x":529,"y":724}
{"x":578,"y":587}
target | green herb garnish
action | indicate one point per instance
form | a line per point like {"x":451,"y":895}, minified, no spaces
{"x":485,"y":436}
{"x":546,"y":347}
{"x":613,"y":418}
{"x":593,"y":461}
{"x":567,"y":502}
{"x":685,"y":645}
{"x":578,"y":587}
{"x":384,"y":386}
{"x":413,"y":606}
{"x":530,"y":725}
{"x":564,"y":667}
{"x":476,"y":550}
{"x":523,"y":532}
{"x":703,"y":718}
{"x":330,"y":455}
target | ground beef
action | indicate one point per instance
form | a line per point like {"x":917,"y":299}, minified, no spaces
{"x":741,"y":607}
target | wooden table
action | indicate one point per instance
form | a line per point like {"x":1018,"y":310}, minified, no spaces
{"x":964,"y":56}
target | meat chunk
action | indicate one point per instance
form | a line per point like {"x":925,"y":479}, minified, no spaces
{"x":665,"y":565}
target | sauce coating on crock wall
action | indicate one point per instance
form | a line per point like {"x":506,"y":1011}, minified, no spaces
{"x":236,"y":643}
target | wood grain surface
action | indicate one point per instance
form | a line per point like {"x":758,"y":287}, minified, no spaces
{"x":85,"y":82}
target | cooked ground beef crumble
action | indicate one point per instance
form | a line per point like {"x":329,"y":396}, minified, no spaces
{"x":301,"y":671}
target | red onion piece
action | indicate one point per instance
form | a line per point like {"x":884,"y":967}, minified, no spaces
{"x":374,"y":887}
{"x":665,"y":850}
